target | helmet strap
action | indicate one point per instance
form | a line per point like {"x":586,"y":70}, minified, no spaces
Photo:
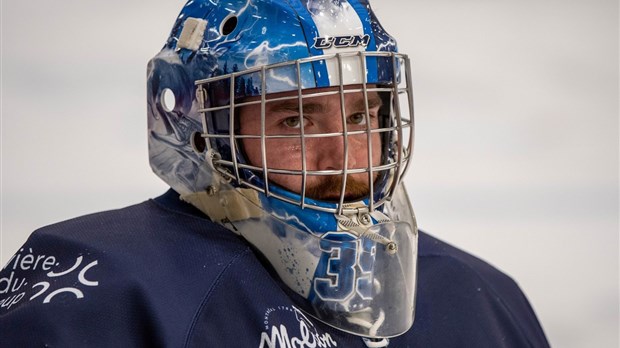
{"x":226,"y":206}
{"x":376,"y":342}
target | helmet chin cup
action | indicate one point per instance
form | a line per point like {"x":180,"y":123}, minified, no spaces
{"x":380,"y":300}
{"x":359,"y":280}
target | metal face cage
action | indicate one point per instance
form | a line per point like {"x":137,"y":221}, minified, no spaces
{"x":223,"y":98}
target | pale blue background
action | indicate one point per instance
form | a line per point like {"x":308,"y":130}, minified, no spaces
{"x":516,"y":155}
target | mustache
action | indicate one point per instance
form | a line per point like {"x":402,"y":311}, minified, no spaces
{"x":328,"y":188}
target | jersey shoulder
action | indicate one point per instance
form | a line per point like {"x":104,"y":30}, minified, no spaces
{"x":471,"y":300}
{"x":115,"y":277}
{"x":437,"y":252}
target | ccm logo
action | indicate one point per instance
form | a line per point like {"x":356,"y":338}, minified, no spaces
{"x":341,"y":41}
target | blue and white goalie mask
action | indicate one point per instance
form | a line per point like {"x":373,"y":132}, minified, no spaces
{"x":290,"y":123}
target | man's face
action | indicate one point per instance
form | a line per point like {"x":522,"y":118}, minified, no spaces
{"x":322,"y":115}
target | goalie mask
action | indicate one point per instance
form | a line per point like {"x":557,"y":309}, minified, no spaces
{"x":290,"y":123}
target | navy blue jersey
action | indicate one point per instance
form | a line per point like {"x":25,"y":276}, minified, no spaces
{"x":160,"y":274}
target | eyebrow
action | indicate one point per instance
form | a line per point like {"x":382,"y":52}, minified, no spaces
{"x":311,"y":107}
{"x":373,"y":101}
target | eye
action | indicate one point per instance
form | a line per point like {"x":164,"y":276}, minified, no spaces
{"x":292,"y":122}
{"x":358,"y":119}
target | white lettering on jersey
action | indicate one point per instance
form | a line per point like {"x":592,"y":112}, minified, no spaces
{"x":277,"y":336}
{"x":15,"y":286}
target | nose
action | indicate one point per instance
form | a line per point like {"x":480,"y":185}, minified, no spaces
{"x":333,"y":153}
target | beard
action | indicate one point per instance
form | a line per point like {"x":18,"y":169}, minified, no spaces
{"x":327,"y":188}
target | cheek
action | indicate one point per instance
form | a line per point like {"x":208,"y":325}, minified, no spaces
{"x":251,"y":148}
{"x":376,"y":149}
{"x":284,"y":154}
{"x":358,"y":149}
{"x":280,"y":153}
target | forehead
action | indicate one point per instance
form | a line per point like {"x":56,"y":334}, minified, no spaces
{"x":350,"y":91}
